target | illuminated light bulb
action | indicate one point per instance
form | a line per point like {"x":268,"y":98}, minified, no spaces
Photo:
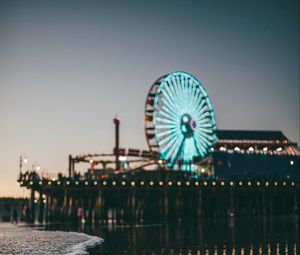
{"x":293,"y":184}
{"x":86,"y":183}
{"x":279,"y":149}
{"x":258,"y":183}
{"x":58,"y":183}
{"x":292,"y":162}
{"x":237,"y":149}
{"x":31,"y":182}
{"x":212,"y":149}
{"x":91,"y":161}
{"x":21,"y":182}
{"x":77,"y":182}
{"x":161,"y":183}
{"x":267,"y":183}
{"x":214,"y":183}
{"x":178,"y":183}
{"x":95,"y":183}
{"x":104,"y":183}
{"x":251,"y":149}
{"x":53,"y":179}
{"x":222,"y":183}
{"x":231,"y":183}
{"x":123,"y":158}
{"x":160,"y":161}
{"x":265,"y":149}
{"x":222,"y":148}
{"x":49,"y":182}
{"x":241,"y":183}
{"x":40,"y":182}
{"x":123,"y":183}
{"x":202,"y":170}
{"x":38,"y":168}
{"x":142,"y":183}
{"x":284,"y":183}
{"x":187,"y":183}
{"x":249,"y":183}
{"x":132,"y":183}
{"x":275,"y":183}
{"x":151,"y":183}
{"x":68,"y":183}
{"x":114,"y":183}
{"x":205,"y":183}
{"x":170,"y":183}
{"x":25,"y":160}
{"x":44,"y":201}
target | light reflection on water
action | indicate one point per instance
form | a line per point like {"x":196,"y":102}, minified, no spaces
{"x":207,"y":237}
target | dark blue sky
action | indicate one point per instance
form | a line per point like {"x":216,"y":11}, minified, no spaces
{"x":67,"y":67}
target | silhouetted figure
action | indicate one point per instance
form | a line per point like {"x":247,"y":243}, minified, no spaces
{"x":15,"y":216}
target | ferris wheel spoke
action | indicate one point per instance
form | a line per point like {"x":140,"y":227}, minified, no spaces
{"x":200,"y":147}
{"x":170,"y":108}
{"x":166,"y":121}
{"x":208,"y":131}
{"x":178,"y":148}
{"x":171,"y":103}
{"x":168,"y":145}
{"x":167,"y":132}
{"x":169,"y":126}
{"x":172,"y":149}
{"x":204,"y":140}
{"x":167,"y":138}
{"x":169,"y":92}
{"x":165,"y":114}
{"x":173,"y":86}
{"x":172,"y":113}
{"x":197,"y":149}
{"x":202,"y":116}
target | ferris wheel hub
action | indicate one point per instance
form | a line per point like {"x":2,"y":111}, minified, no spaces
{"x":188,"y":125}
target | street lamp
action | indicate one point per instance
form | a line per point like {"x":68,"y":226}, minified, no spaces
{"x":23,"y":159}
{"x":36,"y":166}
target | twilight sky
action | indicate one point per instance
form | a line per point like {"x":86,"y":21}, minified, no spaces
{"x":67,"y":67}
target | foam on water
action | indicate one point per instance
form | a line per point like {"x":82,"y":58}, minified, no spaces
{"x":15,"y":240}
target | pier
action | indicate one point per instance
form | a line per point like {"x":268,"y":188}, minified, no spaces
{"x":159,"y":196}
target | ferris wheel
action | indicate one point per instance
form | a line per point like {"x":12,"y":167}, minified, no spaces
{"x":180,"y":122}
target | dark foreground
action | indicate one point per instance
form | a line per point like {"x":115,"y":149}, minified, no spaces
{"x":277,"y":235}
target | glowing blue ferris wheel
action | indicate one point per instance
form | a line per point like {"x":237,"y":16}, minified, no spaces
{"x":180,"y":122}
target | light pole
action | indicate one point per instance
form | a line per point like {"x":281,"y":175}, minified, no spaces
{"x":23,"y":159}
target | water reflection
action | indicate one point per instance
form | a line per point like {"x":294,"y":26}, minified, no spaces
{"x":210,"y":237}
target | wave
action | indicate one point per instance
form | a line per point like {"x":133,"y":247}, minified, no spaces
{"x":14,"y":240}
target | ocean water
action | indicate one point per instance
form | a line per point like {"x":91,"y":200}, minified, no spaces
{"x":228,"y":236}
{"x":25,"y":240}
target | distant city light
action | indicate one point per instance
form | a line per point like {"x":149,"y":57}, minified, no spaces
{"x":222,"y":148}
{"x":292,"y":162}
{"x":91,"y":161}
{"x":25,"y":160}
{"x":237,"y":149}
{"x":202,"y":170}
{"x":265,"y":149}
{"x":279,"y":149}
